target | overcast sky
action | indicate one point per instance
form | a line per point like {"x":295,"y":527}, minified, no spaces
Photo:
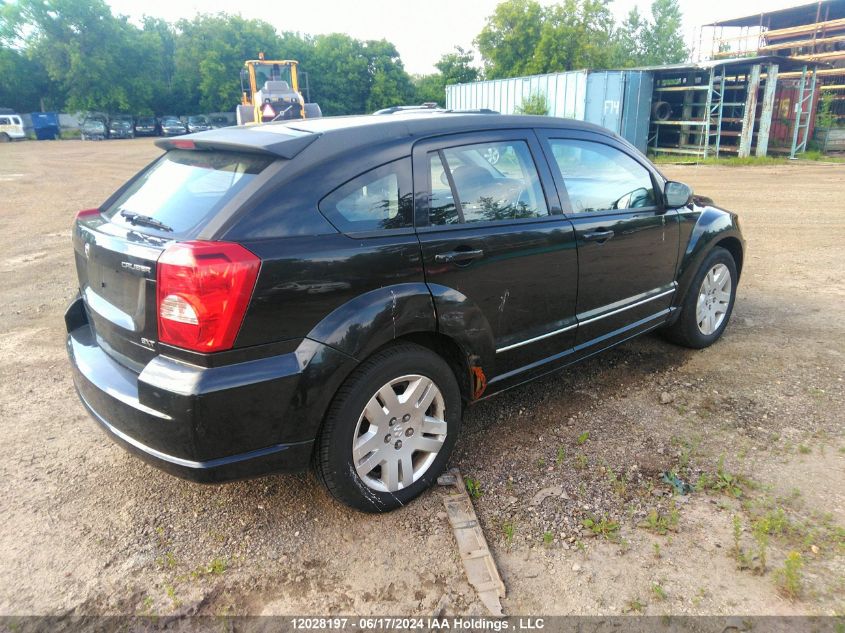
{"x":422,"y":30}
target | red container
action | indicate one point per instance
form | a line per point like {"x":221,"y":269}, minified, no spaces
{"x":783,"y":115}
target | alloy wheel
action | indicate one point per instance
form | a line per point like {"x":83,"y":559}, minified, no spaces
{"x":399,"y":433}
{"x":714,"y":299}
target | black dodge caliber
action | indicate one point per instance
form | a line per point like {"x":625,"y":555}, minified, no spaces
{"x":335,"y":291}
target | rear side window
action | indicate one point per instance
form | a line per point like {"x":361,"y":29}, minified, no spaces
{"x":4,"y":121}
{"x":185,"y":189}
{"x":601,"y":178}
{"x":484,"y":182}
{"x":378,"y":200}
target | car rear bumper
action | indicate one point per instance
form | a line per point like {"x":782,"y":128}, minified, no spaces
{"x":203,"y":424}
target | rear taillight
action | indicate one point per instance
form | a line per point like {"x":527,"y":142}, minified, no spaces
{"x":203,"y":289}
{"x":86,"y":213}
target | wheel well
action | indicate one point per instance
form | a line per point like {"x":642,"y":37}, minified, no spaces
{"x":449,"y":351}
{"x":733,"y":246}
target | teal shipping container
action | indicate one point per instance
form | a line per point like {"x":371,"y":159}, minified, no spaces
{"x":619,"y":100}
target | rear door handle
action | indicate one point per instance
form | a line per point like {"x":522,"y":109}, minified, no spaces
{"x":599,"y":236}
{"x":458,"y":257}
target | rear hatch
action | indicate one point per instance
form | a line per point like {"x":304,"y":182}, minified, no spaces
{"x":117,"y":247}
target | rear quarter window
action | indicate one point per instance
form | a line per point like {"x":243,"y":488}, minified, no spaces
{"x":378,"y":200}
{"x":185,"y":189}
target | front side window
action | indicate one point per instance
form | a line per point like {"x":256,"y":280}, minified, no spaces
{"x":380,"y":199}
{"x":4,"y":121}
{"x":601,"y":178}
{"x":484,"y":182}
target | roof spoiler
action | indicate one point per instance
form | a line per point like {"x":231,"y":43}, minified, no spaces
{"x":281,"y":142}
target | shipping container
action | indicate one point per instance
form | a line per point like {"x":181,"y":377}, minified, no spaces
{"x":783,"y":115}
{"x":619,"y":100}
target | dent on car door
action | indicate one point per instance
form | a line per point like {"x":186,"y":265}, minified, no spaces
{"x":627,"y":241}
{"x":498,"y":255}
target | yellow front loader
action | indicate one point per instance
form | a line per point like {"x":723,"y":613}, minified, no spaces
{"x":270,"y":92}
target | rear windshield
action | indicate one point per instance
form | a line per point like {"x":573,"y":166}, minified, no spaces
{"x":184,"y":189}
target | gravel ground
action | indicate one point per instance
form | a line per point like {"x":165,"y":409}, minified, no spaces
{"x":569,"y":467}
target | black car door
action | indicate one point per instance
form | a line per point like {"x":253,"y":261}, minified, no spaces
{"x":490,"y":226}
{"x":627,"y":241}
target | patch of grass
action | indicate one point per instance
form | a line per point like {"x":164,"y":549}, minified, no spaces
{"x":473,"y":487}
{"x":561,"y":455}
{"x":659,"y":592}
{"x":734,"y":161}
{"x":761,"y":536}
{"x":582,"y":439}
{"x":603,"y":527}
{"x":804,"y":449}
{"x":788,"y":579}
{"x":656,"y":547}
{"x":215,"y":568}
{"x":508,"y":529}
{"x":581,"y":462}
{"x":541,"y":463}
{"x":662,"y":523}
{"x":548,"y":537}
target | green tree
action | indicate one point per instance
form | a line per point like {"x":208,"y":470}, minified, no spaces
{"x":390,"y":85}
{"x":576,"y":34}
{"x":534,"y":104}
{"x":93,"y":58}
{"x":209,"y":52}
{"x":430,"y":89}
{"x":508,"y":42}
{"x":663,"y":37}
{"x":457,"y":68}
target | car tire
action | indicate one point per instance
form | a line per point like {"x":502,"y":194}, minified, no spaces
{"x":400,"y":455}
{"x":4,"y":138}
{"x":708,"y":305}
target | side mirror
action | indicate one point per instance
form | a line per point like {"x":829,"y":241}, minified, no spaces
{"x":676,"y":195}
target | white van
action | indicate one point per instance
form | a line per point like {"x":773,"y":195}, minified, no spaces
{"x":11,"y":128}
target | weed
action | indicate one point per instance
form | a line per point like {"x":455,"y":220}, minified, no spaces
{"x":171,"y":593}
{"x":473,"y":487}
{"x":604,"y":527}
{"x":217,"y":567}
{"x":762,"y":538}
{"x":581,"y":462}
{"x":723,"y":481}
{"x":659,"y":592}
{"x":661,"y":523}
{"x":788,"y":579}
{"x":737,"y":532}
{"x":548,"y":537}
{"x":618,"y":483}
{"x":508,"y":529}
{"x":583,"y":438}
{"x":561,"y":455}
{"x":656,"y":547}
{"x":804,"y":449}
{"x":541,"y":463}
{"x":635,"y":605}
{"x":168,"y":561}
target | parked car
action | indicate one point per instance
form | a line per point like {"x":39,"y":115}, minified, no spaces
{"x":219,"y":120}
{"x":197,"y":343}
{"x":121,"y":126}
{"x":198,"y":123}
{"x":93,"y":130}
{"x":11,"y":127}
{"x":146,"y":126}
{"x":172,"y":126}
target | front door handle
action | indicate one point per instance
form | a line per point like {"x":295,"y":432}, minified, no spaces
{"x":599,"y":236}
{"x":458,"y":257}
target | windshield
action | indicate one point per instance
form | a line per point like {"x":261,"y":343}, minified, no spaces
{"x":185,"y":188}
{"x":145,"y":120}
{"x":93,"y":125}
{"x":197,"y":119}
{"x":272,"y":72}
{"x":171,"y":122}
